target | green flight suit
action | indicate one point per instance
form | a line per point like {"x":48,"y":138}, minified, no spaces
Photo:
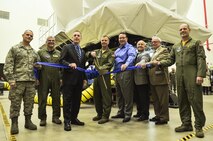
{"x":49,"y":82}
{"x":102,"y":86}
{"x":190,"y":64}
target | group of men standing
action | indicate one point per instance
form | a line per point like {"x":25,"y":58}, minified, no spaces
{"x":19,"y":71}
{"x":189,"y":56}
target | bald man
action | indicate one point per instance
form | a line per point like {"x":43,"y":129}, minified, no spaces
{"x":18,"y":70}
{"x":141,"y":81}
{"x":190,"y":59}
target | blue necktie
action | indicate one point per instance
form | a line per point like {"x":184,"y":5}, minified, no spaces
{"x":78,"y":50}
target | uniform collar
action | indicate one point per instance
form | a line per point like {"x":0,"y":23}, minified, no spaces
{"x":24,"y":47}
{"x":48,"y":50}
{"x":190,"y":38}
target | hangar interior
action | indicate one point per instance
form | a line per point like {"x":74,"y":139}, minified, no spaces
{"x":114,"y":130}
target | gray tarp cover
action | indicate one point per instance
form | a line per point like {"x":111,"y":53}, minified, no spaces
{"x":139,"y":17}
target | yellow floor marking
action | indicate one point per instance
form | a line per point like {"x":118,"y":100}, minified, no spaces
{"x":6,"y":124}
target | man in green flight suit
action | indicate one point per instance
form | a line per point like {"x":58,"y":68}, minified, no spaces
{"x":189,"y":56}
{"x":103,"y":59}
{"x":49,"y":81}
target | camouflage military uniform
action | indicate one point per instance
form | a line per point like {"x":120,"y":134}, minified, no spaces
{"x":102,"y":87}
{"x":18,"y":68}
{"x":49,"y":79}
{"x":190,"y":63}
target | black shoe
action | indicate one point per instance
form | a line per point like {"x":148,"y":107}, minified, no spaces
{"x":77,"y":122}
{"x":96,"y":118}
{"x":154,"y":119}
{"x":67,"y":127}
{"x":161,"y":122}
{"x":142,"y":118}
{"x":118,"y":116}
{"x":126,"y":119}
{"x":137,"y":115}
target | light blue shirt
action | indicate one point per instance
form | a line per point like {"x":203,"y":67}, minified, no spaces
{"x":125,"y":55}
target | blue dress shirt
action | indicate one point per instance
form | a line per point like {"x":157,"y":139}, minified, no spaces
{"x":125,"y":55}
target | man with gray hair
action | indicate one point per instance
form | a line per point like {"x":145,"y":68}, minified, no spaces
{"x":159,"y":83}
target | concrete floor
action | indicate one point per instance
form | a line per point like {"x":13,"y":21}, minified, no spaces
{"x":114,"y":130}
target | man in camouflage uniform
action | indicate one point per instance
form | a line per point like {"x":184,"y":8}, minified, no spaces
{"x":102,"y":86}
{"x":189,"y":56}
{"x":49,"y":81}
{"x":18,"y":69}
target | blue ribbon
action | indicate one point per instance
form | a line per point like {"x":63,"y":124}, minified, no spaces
{"x":128,"y":68}
{"x":53,"y":65}
{"x":89,"y":73}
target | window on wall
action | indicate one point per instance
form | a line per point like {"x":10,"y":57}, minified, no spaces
{"x":4,"y":15}
{"x":42,"y":22}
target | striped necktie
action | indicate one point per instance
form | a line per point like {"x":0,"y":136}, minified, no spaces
{"x":78,"y":50}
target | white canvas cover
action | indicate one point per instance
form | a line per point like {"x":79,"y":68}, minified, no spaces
{"x":138,"y":17}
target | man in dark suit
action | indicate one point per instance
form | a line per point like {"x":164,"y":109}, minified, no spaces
{"x":72,"y":81}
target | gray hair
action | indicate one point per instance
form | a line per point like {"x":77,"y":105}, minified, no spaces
{"x":156,"y":37}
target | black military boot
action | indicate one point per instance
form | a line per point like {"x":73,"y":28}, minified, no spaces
{"x":28,"y":123}
{"x":14,"y":126}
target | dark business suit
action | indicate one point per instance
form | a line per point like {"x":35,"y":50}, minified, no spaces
{"x":72,"y":82}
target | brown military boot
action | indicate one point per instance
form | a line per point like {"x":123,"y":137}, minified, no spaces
{"x":14,"y":126}
{"x":96,"y":118}
{"x":199,"y":133}
{"x":184,"y":128}
{"x":43,"y":122}
{"x":56,"y":121}
{"x":28,"y":123}
{"x":103,"y":120}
